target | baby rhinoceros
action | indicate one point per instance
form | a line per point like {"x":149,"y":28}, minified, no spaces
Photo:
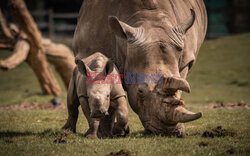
{"x":97,"y":87}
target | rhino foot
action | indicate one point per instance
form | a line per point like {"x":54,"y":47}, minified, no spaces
{"x":120,"y":132}
{"x":91,"y":136}
{"x":68,"y":126}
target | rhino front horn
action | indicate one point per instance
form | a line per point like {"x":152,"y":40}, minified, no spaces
{"x":182,"y":115}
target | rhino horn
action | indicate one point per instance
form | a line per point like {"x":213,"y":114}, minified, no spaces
{"x":176,"y":83}
{"x":182,"y":115}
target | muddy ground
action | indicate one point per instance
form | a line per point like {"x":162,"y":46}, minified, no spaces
{"x":229,"y":105}
{"x":34,"y":106}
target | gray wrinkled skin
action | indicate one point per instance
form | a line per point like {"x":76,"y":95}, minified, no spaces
{"x":102,"y":100}
{"x":147,"y":37}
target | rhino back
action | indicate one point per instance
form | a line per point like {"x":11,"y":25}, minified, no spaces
{"x":93,"y":33}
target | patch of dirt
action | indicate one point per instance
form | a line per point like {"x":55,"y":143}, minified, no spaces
{"x":231,"y":151}
{"x":35,"y":105}
{"x":240,"y":104}
{"x":218,"y":132}
{"x":120,"y":153}
{"x":61,"y":139}
{"x":239,"y":83}
{"x":9,"y":141}
{"x":203,"y":144}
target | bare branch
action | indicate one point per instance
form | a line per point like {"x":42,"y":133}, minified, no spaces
{"x":61,"y":57}
{"x":19,"y":55}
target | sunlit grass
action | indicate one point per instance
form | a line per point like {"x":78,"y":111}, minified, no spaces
{"x":221,"y":74}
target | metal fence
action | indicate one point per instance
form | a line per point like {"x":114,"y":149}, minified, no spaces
{"x":50,"y":22}
{"x":223,"y":19}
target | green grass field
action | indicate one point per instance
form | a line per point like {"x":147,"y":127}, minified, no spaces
{"x":221,"y":74}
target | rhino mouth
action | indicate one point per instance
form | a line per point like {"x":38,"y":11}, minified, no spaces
{"x":99,"y":114}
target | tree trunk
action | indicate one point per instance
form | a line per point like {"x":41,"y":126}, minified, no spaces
{"x":36,"y":57}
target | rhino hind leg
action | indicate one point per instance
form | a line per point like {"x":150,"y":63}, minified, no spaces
{"x":72,"y":118}
{"x":72,"y":105}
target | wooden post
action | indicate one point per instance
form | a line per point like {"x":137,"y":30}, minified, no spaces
{"x":51,"y":23}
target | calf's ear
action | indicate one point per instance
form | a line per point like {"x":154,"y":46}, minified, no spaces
{"x":81,"y":66}
{"x":108,"y":68}
{"x":123,"y":30}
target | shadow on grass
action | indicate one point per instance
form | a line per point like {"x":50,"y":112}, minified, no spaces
{"x":58,"y":133}
{"x":12,"y":134}
{"x":141,"y":134}
{"x":138,"y":134}
{"x":46,"y":133}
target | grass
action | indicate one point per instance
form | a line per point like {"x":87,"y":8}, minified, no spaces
{"x":221,"y":74}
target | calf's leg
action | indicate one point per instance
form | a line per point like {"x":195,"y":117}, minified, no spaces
{"x":93,"y":123}
{"x":120,"y":127}
{"x":106,"y":124}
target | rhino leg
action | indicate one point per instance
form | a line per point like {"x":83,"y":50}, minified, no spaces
{"x":72,"y":104}
{"x":106,"y":125}
{"x":120,"y":127}
{"x":93,"y":129}
{"x":93,"y":123}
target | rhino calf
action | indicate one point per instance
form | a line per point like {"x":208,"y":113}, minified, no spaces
{"x":96,"y":86}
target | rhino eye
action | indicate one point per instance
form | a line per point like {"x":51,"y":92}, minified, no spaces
{"x":107,"y":96}
{"x":163,"y":48}
{"x":140,"y":91}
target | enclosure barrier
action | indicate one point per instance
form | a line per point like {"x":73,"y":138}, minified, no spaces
{"x":45,"y":19}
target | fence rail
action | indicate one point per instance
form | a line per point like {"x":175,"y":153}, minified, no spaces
{"x":49,"y":22}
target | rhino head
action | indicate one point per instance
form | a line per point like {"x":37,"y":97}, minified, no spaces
{"x":98,"y":92}
{"x":155,"y":46}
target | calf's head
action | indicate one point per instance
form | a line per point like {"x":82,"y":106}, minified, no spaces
{"x":154,"y":45}
{"x":98,"y":91}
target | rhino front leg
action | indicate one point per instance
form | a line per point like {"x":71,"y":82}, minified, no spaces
{"x":120,"y":127}
{"x":93,"y":123}
{"x":106,"y":124}
{"x":72,"y":104}
{"x":93,"y":129}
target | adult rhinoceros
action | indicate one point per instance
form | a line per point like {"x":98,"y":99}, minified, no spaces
{"x":147,"y":37}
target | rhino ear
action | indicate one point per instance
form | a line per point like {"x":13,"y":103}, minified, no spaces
{"x":182,"y":28}
{"x":123,"y":30}
{"x":108,"y":68}
{"x":81,"y":66}
{"x":187,"y":24}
